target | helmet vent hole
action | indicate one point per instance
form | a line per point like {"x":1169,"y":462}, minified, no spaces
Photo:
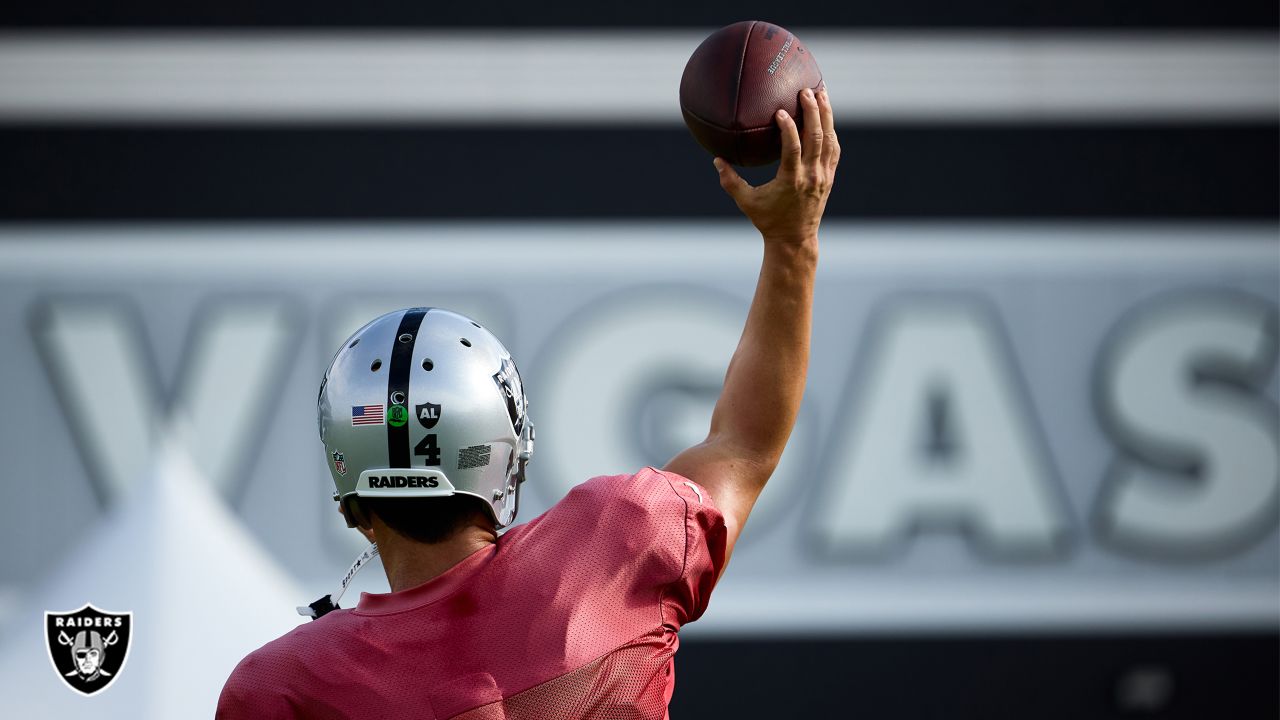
{"x":465,"y":342}
{"x":406,"y":337}
{"x":427,"y":364}
{"x":377,"y":364}
{"x":473,"y":322}
{"x":354,"y":343}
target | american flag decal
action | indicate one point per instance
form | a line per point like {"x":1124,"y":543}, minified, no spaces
{"x":367,"y":415}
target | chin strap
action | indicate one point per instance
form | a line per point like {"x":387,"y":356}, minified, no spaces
{"x":328,"y":603}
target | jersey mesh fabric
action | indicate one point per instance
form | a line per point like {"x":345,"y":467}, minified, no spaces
{"x":572,"y":615}
{"x":627,"y":683}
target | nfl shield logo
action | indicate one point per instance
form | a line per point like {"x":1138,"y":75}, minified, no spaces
{"x":339,"y":462}
{"x":88,"y":647}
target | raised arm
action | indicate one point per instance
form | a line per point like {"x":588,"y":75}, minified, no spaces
{"x":765,"y":382}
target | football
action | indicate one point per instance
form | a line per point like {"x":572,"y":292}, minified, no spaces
{"x":734,"y":83}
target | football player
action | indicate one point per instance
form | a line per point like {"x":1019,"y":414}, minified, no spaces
{"x":574,"y":614}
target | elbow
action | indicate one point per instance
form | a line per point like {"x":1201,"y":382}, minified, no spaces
{"x":754,"y":461}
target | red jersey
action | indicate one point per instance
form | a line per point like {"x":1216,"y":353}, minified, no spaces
{"x":571,"y":615}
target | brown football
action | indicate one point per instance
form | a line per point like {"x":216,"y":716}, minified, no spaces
{"x":734,"y":83}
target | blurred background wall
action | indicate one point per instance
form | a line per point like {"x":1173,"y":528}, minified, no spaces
{"x":1037,"y":471}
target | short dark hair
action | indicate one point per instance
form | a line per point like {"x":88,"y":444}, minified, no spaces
{"x":427,"y":520}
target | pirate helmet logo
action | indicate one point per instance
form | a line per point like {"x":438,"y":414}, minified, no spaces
{"x":88,"y":647}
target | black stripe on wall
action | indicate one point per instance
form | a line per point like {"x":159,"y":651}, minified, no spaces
{"x":982,"y":171}
{"x":706,"y":15}
{"x":1007,"y":677}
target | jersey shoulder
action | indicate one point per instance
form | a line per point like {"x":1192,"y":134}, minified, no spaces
{"x":616,"y":514}
{"x":271,"y":682}
{"x":638,"y":534}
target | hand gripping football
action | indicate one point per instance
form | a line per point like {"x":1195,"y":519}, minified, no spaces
{"x":734,"y":83}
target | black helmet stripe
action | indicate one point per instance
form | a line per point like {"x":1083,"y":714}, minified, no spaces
{"x":399,"y":454}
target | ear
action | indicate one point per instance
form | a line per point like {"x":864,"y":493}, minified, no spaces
{"x":346,"y":516}
{"x":355,"y":514}
{"x":357,"y":517}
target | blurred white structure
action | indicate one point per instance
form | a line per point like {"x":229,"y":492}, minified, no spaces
{"x":202,"y":592}
{"x":628,"y":77}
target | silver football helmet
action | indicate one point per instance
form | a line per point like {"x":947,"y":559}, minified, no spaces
{"x":423,"y":402}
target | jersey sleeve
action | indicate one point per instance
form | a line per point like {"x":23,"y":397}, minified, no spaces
{"x":704,"y":552}
{"x":650,"y":535}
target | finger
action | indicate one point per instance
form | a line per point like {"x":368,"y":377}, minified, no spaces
{"x":790,"y":144}
{"x":730,"y":180}
{"x":830,"y":144}
{"x":812,"y":126}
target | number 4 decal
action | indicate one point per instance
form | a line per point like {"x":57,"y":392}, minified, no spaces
{"x":428,"y":447}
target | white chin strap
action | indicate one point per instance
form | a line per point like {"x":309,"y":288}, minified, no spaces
{"x":328,"y":603}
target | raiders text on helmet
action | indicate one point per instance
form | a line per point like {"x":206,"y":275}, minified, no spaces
{"x":424,"y":402}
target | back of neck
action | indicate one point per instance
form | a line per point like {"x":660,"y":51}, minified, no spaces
{"x":409,"y":563}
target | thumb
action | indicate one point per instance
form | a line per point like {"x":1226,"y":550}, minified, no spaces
{"x":730,"y":180}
